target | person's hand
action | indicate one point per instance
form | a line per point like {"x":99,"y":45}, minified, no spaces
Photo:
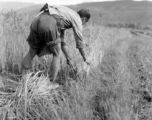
{"x":69,"y":62}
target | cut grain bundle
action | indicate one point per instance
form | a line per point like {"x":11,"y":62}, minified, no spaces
{"x":34,"y":98}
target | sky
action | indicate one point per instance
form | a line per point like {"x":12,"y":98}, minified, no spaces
{"x":59,"y":2}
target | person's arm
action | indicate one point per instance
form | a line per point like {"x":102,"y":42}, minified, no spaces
{"x":64,"y":49}
{"x":80,"y":44}
{"x":77,"y":29}
{"x":66,"y":53}
{"x":82,"y":52}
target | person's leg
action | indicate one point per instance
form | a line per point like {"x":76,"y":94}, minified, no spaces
{"x":56,"y":51}
{"x":26,"y":63}
{"x":48,"y":32}
{"x":34,"y":45}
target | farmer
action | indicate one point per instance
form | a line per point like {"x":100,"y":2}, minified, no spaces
{"x":47,"y":35}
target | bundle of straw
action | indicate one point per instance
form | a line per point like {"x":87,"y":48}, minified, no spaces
{"x":33,"y":98}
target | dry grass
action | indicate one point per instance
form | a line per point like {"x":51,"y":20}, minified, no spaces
{"x":117,"y":86}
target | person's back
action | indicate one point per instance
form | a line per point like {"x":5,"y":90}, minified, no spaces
{"x":65,"y":12}
{"x":70,"y":16}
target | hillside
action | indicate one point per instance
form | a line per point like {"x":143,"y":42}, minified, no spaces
{"x":112,"y":11}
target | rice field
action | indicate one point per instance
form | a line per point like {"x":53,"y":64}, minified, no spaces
{"x":116,"y":86}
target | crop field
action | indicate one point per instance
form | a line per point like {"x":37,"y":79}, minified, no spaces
{"x":116,"y":86}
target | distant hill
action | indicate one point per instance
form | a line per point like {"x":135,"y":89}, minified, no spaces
{"x":120,"y":11}
{"x":124,"y":11}
{"x":14,"y":5}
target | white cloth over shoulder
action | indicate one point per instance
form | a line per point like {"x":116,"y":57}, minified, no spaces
{"x":69,"y":14}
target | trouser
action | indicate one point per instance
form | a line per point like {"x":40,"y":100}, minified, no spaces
{"x":44,"y":34}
